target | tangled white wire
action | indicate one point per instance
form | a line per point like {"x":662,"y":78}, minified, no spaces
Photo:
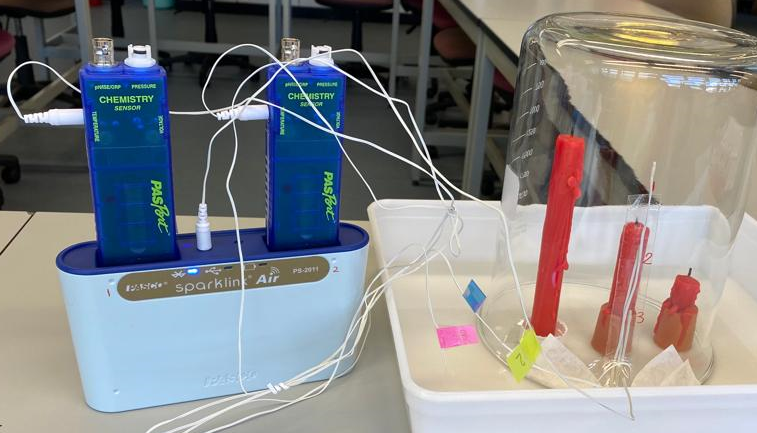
{"x":360,"y":323}
{"x":428,"y":253}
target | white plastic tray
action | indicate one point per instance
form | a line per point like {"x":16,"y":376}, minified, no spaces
{"x":466,"y":390}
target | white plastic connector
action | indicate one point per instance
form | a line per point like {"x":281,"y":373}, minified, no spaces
{"x":140,"y":56}
{"x":277,"y":388}
{"x":250,"y":112}
{"x":202,"y":229}
{"x":57,"y":117}
{"x":324,"y":55}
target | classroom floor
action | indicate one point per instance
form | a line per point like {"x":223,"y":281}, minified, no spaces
{"x":46,"y":186}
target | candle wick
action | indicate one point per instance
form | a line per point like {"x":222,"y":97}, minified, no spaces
{"x":689,"y":272}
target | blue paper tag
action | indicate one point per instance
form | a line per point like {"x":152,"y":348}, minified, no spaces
{"x":474,"y":296}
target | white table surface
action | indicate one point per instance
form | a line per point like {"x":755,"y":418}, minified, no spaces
{"x":10,"y":223}
{"x":509,"y":31}
{"x":530,"y":11}
{"x":39,"y":380}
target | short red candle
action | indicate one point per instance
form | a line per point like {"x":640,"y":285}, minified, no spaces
{"x":564,"y":190}
{"x":678,"y":315}
{"x":610,"y":317}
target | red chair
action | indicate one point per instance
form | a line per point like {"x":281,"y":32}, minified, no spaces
{"x":6,"y":44}
{"x":442,"y":19}
{"x":457,"y":49}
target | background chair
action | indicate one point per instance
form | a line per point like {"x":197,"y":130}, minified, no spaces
{"x":16,"y":10}
{"x":442,"y":19}
{"x":357,"y":8}
{"x":11,"y":172}
{"x":457,"y":50}
{"x":208,"y":8}
{"x":26,"y":85}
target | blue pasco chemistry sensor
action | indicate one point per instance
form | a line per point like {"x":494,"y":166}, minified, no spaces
{"x":128,"y":146}
{"x":303,"y":164}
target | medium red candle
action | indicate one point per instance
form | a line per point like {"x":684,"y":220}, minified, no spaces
{"x":678,"y":315}
{"x":611,"y":313}
{"x":564,"y":190}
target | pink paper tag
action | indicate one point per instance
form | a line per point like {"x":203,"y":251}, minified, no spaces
{"x":452,"y":336}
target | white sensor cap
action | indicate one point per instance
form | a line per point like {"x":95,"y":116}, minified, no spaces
{"x":202,"y":229}
{"x":323,"y":60}
{"x":140,"y":56}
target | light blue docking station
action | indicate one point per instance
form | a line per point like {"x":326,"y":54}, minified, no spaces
{"x":160,"y":333}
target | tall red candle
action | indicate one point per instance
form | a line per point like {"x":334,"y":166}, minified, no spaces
{"x":564,"y":190}
{"x":611,"y":313}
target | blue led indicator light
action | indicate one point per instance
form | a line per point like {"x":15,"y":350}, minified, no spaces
{"x":193,"y":271}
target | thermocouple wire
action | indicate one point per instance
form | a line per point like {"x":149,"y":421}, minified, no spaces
{"x":423,"y":150}
{"x":425,"y":255}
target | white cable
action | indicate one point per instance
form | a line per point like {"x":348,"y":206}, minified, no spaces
{"x":507,"y":238}
{"x":357,"y":325}
{"x":260,"y":393}
{"x":203,"y":209}
{"x":230,"y":198}
{"x":232,"y":122}
{"x":75,"y":116}
{"x":424,"y":154}
{"x":450,"y":184}
{"x":242,"y":109}
{"x":56,"y":117}
{"x":498,"y":210}
{"x":507,"y":244}
{"x":503,"y":221}
{"x":250,"y":112}
{"x":203,"y":230}
{"x":320,"y":389}
{"x":10,"y":81}
{"x":237,"y":233}
{"x":308,"y":395}
{"x":427,"y":159}
{"x":423,"y":151}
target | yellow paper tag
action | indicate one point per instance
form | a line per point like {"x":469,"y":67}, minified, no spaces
{"x":524,"y":355}
{"x":530,"y":344}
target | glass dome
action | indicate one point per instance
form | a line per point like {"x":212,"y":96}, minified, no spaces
{"x":629,"y":155}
